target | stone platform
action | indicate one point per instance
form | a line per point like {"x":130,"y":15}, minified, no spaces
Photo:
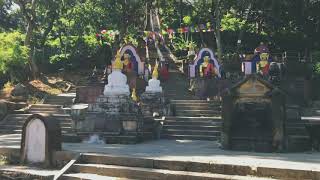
{"x":188,"y":150}
{"x":202,"y":151}
{"x":170,"y":158}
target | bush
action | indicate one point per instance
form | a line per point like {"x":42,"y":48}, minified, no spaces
{"x":13,"y":55}
{"x":316,"y":63}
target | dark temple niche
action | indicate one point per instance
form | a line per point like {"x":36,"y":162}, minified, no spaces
{"x":256,"y":118}
{"x":252,"y":128}
{"x":253,"y":113}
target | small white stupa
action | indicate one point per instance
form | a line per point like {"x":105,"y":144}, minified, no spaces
{"x":154,"y":83}
{"x":117,"y":81}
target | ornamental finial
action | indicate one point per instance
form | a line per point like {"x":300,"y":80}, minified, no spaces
{"x":155,"y":72}
{"x":117,"y":63}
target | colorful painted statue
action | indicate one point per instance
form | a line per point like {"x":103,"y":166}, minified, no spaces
{"x":127,"y":65}
{"x":261,"y":60}
{"x":263,"y":64}
{"x":207,"y":69}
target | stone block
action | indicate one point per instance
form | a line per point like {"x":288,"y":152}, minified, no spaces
{"x":19,"y":90}
{"x":89,"y":94}
{"x":129,"y":125}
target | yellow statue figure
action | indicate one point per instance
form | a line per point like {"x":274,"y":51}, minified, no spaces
{"x":263,"y":64}
{"x":206,"y":68}
{"x":134,"y":95}
{"x":126,"y":59}
{"x":117,"y":63}
{"x":155,"y":74}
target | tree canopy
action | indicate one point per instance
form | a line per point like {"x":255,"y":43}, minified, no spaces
{"x":62,"y":33}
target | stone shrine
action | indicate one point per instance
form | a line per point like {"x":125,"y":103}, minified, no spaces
{"x":114,"y":115}
{"x":153,"y":104}
{"x":255,"y":118}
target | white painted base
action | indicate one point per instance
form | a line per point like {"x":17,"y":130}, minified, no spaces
{"x":154,"y":86}
{"x":117,"y":84}
{"x":35,"y":143}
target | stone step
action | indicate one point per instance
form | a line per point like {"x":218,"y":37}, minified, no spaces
{"x":190,"y":137}
{"x":297,"y":131}
{"x":299,"y":143}
{"x":192,"y":127}
{"x":191,"y":107}
{"x":194,"y":114}
{"x":194,"y":123}
{"x":88,"y":176}
{"x":39,"y":111}
{"x":190,"y":132}
{"x":206,"y":113}
{"x":148,"y":173}
{"x":296,"y":124}
{"x":44,"y":106}
{"x":194,"y":101}
{"x":10,"y":131}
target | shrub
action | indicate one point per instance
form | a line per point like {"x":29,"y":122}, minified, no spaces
{"x":13,"y":55}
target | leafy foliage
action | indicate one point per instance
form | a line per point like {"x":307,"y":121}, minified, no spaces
{"x":13,"y":55}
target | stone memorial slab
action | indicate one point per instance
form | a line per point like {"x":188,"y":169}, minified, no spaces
{"x":41,"y":136}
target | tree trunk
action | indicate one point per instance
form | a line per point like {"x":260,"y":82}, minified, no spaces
{"x":30,"y":17}
{"x":241,"y":33}
{"x":217,"y":28}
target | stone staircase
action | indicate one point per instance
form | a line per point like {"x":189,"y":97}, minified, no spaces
{"x":58,"y":113}
{"x":193,"y":120}
{"x":13,"y":123}
{"x":298,"y":138}
{"x":98,"y":166}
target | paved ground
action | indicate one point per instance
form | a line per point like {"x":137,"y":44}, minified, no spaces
{"x":183,"y":150}
{"x":30,"y":170}
{"x":203,"y":151}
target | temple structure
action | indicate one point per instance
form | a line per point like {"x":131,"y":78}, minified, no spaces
{"x":115,"y":115}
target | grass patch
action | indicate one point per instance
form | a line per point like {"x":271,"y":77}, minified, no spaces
{"x":41,"y":86}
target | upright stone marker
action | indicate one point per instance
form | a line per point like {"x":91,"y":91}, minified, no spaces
{"x":41,"y":135}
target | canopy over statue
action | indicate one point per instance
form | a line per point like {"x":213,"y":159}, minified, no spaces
{"x":205,"y":58}
{"x":132,"y":59}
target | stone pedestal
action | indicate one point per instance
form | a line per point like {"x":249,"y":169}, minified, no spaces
{"x":153,"y":106}
{"x":112,"y":117}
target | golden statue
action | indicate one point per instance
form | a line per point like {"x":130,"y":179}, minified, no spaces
{"x":262,"y":65}
{"x":206,"y":68}
{"x":155,"y":74}
{"x":117,"y":63}
{"x":134,"y":95}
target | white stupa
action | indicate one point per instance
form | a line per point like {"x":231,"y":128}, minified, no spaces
{"x":154,"y":83}
{"x":117,"y":81}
